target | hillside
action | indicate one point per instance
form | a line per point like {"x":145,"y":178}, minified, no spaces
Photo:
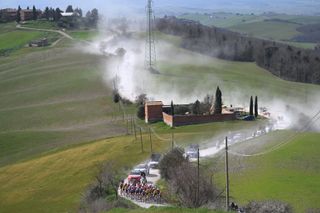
{"x":59,"y":121}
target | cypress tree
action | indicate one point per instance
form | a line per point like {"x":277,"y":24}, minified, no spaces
{"x":172,"y":108}
{"x":18,"y":15}
{"x":251,"y":106}
{"x":218,"y":102}
{"x":256,"y":113}
{"x":34,"y":13}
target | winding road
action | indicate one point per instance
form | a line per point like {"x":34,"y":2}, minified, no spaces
{"x":46,"y":30}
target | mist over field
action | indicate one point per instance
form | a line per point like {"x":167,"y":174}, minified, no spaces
{"x":132,"y":79}
{"x":123,"y":7}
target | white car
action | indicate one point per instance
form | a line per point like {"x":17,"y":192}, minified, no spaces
{"x":154,"y":161}
{"x":143,"y":167}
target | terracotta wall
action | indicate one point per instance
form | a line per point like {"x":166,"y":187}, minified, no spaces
{"x":181,"y":120}
{"x":167,"y":119}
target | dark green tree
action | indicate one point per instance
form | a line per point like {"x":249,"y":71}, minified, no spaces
{"x":28,"y":8}
{"x":94,"y":17}
{"x":69,"y":9}
{"x":57,"y":14}
{"x":18,"y":15}
{"x":46,"y":13}
{"x":256,"y":113}
{"x":141,"y":112}
{"x":218,"y":102}
{"x":196,"y":108}
{"x":172,"y":108}
{"x":251,"y":106}
{"x":34,"y":13}
{"x":79,"y":11}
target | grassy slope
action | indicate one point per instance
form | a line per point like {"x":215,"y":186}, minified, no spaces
{"x":60,"y":90}
{"x":84,"y":35}
{"x":255,"y":25}
{"x":290,"y":174}
{"x":50,"y":99}
{"x":268,"y":29}
{"x":54,"y":182}
{"x":14,"y":39}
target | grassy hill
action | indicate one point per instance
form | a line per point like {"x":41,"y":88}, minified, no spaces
{"x":54,"y":99}
{"x":13,"y":39}
{"x":278,"y":27}
{"x":289,"y":174}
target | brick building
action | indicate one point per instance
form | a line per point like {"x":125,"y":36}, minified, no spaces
{"x":8,"y":14}
{"x":153,"y":111}
{"x":27,"y":15}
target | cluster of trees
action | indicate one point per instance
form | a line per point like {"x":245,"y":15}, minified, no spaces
{"x":282,"y":60}
{"x":191,"y":187}
{"x":102,"y":194}
{"x":199,"y":108}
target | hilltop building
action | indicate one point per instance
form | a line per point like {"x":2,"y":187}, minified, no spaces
{"x":8,"y":14}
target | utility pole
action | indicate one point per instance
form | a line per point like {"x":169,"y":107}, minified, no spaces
{"x":198,"y":178}
{"x":127,"y":126}
{"x":227,"y":176}
{"x":134,"y":129}
{"x":150,"y":140}
{"x":172,"y":140}
{"x":141,"y":140}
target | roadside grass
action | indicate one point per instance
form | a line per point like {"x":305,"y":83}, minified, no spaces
{"x":164,"y":210}
{"x":290,"y":174}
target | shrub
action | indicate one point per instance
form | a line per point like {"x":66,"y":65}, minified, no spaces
{"x":270,"y":206}
{"x":141,"y":112}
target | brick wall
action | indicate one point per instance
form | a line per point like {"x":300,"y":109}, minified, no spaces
{"x":167,"y":119}
{"x":181,"y":120}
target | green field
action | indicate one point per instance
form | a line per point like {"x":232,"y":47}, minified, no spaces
{"x":268,"y":29}
{"x":290,"y":174}
{"x":278,"y":27}
{"x":41,"y":24}
{"x":53,"y":102}
{"x":13,"y":39}
{"x":84,"y":35}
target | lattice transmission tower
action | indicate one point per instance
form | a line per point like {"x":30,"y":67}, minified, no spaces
{"x":150,"y":52}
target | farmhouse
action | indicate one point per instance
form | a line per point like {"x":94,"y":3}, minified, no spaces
{"x":156,"y":111}
{"x":27,"y":14}
{"x":8,"y":14}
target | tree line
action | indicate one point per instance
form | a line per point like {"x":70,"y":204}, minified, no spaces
{"x":285,"y":61}
{"x":74,"y":21}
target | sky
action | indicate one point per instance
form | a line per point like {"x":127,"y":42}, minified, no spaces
{"x":127,"y":6}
